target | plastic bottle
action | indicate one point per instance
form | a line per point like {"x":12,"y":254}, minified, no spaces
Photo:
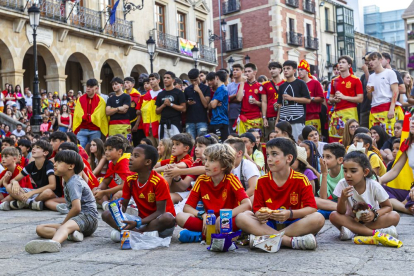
{"x":285,"y":102}
{"x":211,"y":225}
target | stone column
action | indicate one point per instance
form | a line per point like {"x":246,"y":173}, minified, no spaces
{"x":57,"y":83}
{"x":12,"y":76}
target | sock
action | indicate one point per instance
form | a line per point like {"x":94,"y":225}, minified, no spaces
{"x":291,"y":242}
{"x":194,"y":224}
{"x":29,"y":201}
{"x":373,"y":232}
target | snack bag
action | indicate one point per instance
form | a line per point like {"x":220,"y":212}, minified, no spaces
{"x":387,"y":240}
{"x":223,"y":242}
{"x":268,"y":243}
{"x":365,"y":240}
{"x":116,"y":213}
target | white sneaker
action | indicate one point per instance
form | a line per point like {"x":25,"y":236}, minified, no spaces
{"x":390,"y":231}
{"x":62,"y":208}
{"x":36,"y":205}
{"x":5,"y":206}
{"x":346,"y":234}
{"x":307,"y":242}
{"x":75,"y":236}
{"x":39,"y":246}
{"x":116,"y":236}
{"x":105,"y":205}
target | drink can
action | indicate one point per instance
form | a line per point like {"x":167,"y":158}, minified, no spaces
{"x":125,"y":239}
{"x":200,"y":206}
{"x":226,"y":221}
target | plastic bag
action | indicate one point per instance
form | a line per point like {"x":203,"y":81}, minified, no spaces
{"x":141,"y":242}
{"x":223,"y":242}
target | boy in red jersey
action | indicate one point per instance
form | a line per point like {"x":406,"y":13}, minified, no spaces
{"x":11,"y":170}
{"x":151,"y":194}
{"x":313,"y":109}
{"x":287,"y":191}
{"x":217,"y":189}
{"x":182,"y":145}
{"x":251,"y":94}
{"x":270,"y":104}
{"x":346,"y":93}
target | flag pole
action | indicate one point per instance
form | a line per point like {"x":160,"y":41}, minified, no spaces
{"x":77,"y":3}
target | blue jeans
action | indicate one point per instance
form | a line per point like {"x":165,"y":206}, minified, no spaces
{"x":196,"y":129}
{"x":63,"y":129}
{"x":85,"y":136}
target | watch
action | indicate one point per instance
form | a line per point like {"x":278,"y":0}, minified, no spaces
{"x":171,"y":104}
{"x":312,"y":99}
{"x":264,"y":117}
{"x":200,"y":214}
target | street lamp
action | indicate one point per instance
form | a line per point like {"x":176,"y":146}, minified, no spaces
{"x":195,"y":53}
{"x":151,"y":50}
{"x":230,"y":61}
{"x":223,"y":25}
{"x":36,"y":120}
{"x":247,"y":59}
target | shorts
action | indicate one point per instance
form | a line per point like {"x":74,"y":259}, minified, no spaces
{"x":87,"y":223}
{"x":26,"y":190}
{"x":272,"y":223}
{"x":4,"y":192}
{"x":399,"y":195}
{"x":163,"y":234}
{"x":183,"y":195}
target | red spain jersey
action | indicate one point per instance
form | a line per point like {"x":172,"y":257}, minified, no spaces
{"x":349,"y":86}
{"x":188,"y":160}
{"x":315,"y":90}
{"x":295,"y":194}
{"x":226,"y":195}
{"x":272,"y":94}
{"x":147,"y":195}
{"x":24,"y":183}
{"x":255,"y":90}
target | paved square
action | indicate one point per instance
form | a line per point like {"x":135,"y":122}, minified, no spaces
{"x":98,"y":255}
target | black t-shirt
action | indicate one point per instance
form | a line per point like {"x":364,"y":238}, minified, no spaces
{"x":40,"y":177}
{"x":176,"y":97}
{"x":117,"y":101}
{"x":196,"y":113}
{"x":366,"y":103}
{"x":291,"y":111}
{"x":388,"y":143}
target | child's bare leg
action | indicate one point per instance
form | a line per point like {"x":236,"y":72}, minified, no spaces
{"x":163,"y":222}
{"x":16,"y":196}
{"x":7,"y":198}
{"x":176,"y":198}
{"x":117,"y":195}
{"x":64,"y":230}
{"x":248,"y":222}
{"x":52,"y":203}
{"x":400,"y":206}
{"x":107,"y":217}
{"x":47,"y":231}
{"x":46,"y":195}
{"x":325,"y":204}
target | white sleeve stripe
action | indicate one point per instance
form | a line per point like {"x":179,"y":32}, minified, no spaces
{"x":52,"y":171}
{"x":24,"y":172}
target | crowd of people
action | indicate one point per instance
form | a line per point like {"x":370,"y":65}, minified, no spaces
{"x":308,"y":151}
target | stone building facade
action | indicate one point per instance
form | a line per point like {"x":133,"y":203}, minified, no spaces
{"x":267,"y":30}
{"x":365,"y":43}
{"x":76,"y":41}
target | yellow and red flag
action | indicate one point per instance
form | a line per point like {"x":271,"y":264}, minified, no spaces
{"x":405,"y":177}
{"x":95,"y":113}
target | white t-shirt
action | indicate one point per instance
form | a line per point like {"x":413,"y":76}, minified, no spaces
{"x":28,"y":100}
{"x":249,"y":170}
{"x":18,"y":134}
{"x":410,"y":156}
{"x":373,"y":195}
{"x":382,"y":86}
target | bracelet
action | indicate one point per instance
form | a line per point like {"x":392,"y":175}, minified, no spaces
{"x":176,"y":180}
{"x":376,"y":215}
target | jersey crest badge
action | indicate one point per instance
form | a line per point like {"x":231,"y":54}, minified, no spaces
{"x":294,"y":198}
{"x":348,"y":84}
{"x":224,"y":194}
{"x":151,"y":197}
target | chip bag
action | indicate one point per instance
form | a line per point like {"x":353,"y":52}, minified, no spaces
{"x":223,"y":242}
{"x":387,"y":240}
{"x":116,"y":212}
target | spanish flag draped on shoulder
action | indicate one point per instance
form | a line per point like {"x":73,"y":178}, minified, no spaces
{"x":95,"y":113}
{"x":405,"y":178}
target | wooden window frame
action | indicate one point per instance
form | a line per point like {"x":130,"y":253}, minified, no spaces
{"x":198,"y":21}
{"x":179,"y":14}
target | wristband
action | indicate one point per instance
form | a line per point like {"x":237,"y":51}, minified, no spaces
{"x":139,"y":223}
{"x":179,"y":179}
{"x":376,"y":215}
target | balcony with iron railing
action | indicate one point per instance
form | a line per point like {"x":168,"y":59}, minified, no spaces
{"x":329,"y":26}
{"x":294,"y":38}
{"x":231,"y":6}
{"x":309,"y":6}
{"x":232,"y":44}
{"x":170,"y":43}
{"x":311,"y":43}
{"x":292,"y":3}
{"x":74,"y":15}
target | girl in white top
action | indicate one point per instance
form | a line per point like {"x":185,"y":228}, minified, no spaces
{"x":97,"y":160}
{"x":357,"y":188}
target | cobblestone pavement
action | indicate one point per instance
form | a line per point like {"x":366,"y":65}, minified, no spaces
{"x":98,"y":255}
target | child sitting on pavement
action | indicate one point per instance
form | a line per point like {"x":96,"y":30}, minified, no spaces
{"x":151,"y":194}
{"x":45,"y":184}
{"x":11,"y":170}
{"x":355,"y":188}
{"x":217,"y":189}
{"x":331,"y":174}
{"x":82,"y":219}
{"x":289,"y":192}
